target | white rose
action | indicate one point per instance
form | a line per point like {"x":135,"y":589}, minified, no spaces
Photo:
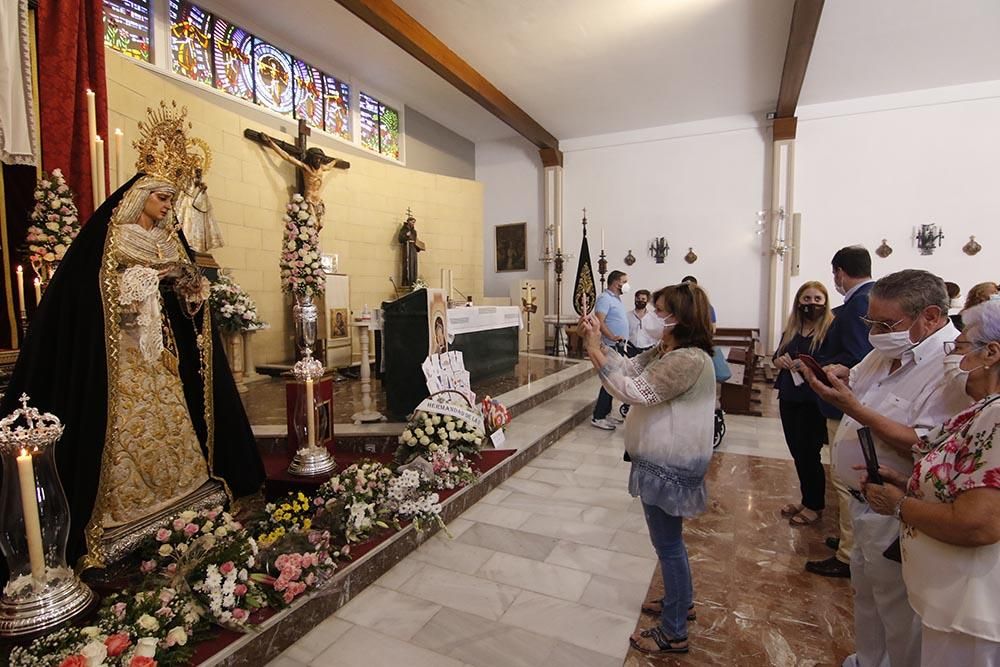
{"x":221,"y":531}
{"x":90,"y":631}
{"x":146,"y":646}
{"x":165,"y":550}
{"x":425,"y":441}
{"x":188,"y":515}
{"x":95,"y":652}
{"x":436,"y":419}
{"x":177,"y":636}
{"x":147,"y":622}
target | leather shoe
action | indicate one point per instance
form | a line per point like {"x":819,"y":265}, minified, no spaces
{"x":833,"y":542}
{"x":831,"y":567}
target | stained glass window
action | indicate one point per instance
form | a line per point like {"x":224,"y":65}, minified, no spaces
{"x":273,"y":77}
{"x":338,"y":107}
{"x":379,"y":126}
{"x":233,"y":59}
{"x":308,"y":94}
{"x":126,"y":27}
{"x":191,"y":41}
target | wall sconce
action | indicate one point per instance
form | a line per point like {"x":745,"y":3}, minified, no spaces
{"x":928,"y":238}
{"x":658,"y":249}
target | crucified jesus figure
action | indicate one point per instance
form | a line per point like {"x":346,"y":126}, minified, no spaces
{"x":314,"y":165}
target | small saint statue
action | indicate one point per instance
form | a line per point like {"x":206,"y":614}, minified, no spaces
{"x":194,"y":212}
{"x":312,"y":163}
{"x":407,"y":238}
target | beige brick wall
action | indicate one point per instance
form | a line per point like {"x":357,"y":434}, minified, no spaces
{"x":365,"y":205}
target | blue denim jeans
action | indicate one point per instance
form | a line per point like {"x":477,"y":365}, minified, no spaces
{"x":665,"y":534}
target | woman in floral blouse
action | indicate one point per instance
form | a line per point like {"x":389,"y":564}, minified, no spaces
{"x":950,"y":508}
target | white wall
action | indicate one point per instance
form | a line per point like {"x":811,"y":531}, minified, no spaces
{"x":868,"y":176}
{"x":866,"y":169}
{"x":511,"y":173}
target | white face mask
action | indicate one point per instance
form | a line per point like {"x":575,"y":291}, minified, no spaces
{"x":955,"y":375}
{"x":893,"y":344}
{"x":625,"y":288}
{"x":840,"y":289}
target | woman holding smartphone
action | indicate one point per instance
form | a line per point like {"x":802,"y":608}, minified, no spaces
{"x":804,"y":425}
{"x":668,"y":436}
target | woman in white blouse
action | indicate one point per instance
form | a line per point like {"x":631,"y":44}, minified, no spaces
{"x":949,"y":508}
{"x":668,"y":436}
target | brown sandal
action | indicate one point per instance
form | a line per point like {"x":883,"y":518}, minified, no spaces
{"x":791,"y":510}
{"x":655,"y":608}
{"x":800,"y":520}
{"x":664,"y":644}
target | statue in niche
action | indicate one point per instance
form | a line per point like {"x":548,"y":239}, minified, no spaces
{"x":407,"y":238}
{"x":194,"y":212}
{"x":311,"y":165}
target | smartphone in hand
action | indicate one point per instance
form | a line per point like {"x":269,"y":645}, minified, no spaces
{"x":813,"y":365}
{"x":868,"y":451}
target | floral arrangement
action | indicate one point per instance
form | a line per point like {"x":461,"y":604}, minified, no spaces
{"x":293,"y":514}
{"x":161,"y":551}
{"x":299,"y":571}
{"x":145,"y":629}
{"x":301,"y":270}
{"x":419,"y":283}
{"x":495,"y":415}
{"x":54,"y":220}
{"x":426,"y":433}
{"x":220,"y":579}
{"x":406,"y":500}
{"x":451,"y":469}
{"x":356,"y":496}
{"x":232,"y":307}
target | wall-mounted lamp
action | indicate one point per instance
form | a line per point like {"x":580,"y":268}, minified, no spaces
{"x":928,"y":238}
{"x":658,"y":249}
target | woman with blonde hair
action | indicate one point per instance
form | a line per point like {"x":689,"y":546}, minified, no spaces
{"x":980,"y":293}
{"x":803,"y":423}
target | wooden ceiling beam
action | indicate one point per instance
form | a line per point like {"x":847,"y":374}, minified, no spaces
{"x":801,"y":36}
{"x":408,"y":34}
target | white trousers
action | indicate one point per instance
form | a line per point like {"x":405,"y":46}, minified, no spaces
{"x":886,"y":630}
{"x":957,"y":648}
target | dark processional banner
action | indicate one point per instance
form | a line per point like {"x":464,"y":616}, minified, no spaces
{"x":584,"y":290}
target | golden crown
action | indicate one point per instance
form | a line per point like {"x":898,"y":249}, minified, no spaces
{"x":165,"y":151}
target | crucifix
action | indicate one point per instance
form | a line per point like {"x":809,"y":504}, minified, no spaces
{"x":311,"y":164}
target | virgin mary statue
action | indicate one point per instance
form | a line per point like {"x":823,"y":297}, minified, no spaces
{"x":122,"y":349}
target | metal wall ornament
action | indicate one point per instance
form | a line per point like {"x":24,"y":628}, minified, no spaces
{"x":43,"y":591}
{"x":658,"y":249}
{"x":928,"y":238}
{"x":884,"y":250}
{"x":690,"y":257}
{"x":629,"y":258}
{"x":972,"y":247}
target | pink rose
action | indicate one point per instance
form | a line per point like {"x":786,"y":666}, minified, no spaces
{"x":118,"y":609}
{"x":116,"y":644}
{"x":74,"y":661}
{"x":240,"y":614}
{"x":212,"y":514}
{"x":147,"y":566}
{"x":178,"y":524}
{"x":191,"y":529}
{"x":227,"y":567}
{"x":240,"y":590}
{"x":142,"y":661}
{"x":172,"y":568}
{"x":162,"y":535}
{"x":166,"y":595}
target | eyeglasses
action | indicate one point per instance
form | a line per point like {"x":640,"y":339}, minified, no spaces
{"x":952,"y":346}
{"x":878,"y":326}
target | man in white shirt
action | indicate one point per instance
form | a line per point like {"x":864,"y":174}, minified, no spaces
{"x":645,"y":329}
{"x":898,"y":391}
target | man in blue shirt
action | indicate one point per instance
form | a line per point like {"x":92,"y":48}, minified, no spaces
{"x":846,"y":343}
{"x":613,"y":317}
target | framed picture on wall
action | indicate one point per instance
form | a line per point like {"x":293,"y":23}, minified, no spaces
{"x":329,"y":264}
{"x":512,"y":247}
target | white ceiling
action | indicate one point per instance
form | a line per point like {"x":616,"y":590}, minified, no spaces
{"x":586,"y":67}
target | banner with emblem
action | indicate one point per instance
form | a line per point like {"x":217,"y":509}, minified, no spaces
{"x":584,"y":290}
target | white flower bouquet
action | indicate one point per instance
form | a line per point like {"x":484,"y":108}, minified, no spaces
{"x":232,"y":308}
{"x":301,"y":269}
{"x":406,"y":500}
{"x":356,"y":497}
{"x":427,"y":433}
{"x":55,"y":221}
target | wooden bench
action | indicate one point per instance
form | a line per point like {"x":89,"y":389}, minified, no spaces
{"x":739,"y":396}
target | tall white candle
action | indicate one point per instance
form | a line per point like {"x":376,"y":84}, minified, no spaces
{"x":91,"y":135}
{"x":558,"y":237}
{"x":38,"y":291}
{"x":119,"y":158}
{"x":310,"y":414}
{"x":29,"y":506}
{"x":101,"y":190}
{"x":444,"y":279}
{"x":20,"y":288}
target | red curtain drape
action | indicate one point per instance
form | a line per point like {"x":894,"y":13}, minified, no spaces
{"x":71,"y":60}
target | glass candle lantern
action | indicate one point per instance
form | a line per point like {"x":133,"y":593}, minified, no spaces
{"x":43,"y":590}
{"x":312,"y":458}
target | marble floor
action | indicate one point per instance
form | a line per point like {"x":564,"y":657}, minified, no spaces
{"x":552,"y":566}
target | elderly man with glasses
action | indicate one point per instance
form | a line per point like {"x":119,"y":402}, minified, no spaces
{"x":899,"y":392}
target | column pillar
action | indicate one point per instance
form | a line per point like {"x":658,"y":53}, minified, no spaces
{"x":780,"y":228}
{"x":552,"y":196}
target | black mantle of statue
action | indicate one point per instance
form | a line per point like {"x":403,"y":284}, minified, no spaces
{"x":405,"y":331}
